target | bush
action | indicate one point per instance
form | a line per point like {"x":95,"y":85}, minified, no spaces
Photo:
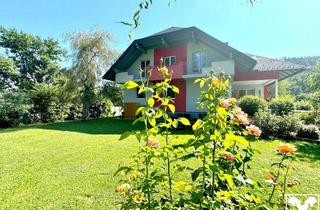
{"x":101,"y":108}
{"x":303,"y":105}
{"x":12,"y":107}
{"x":308,"y":131}
{"x":275,"y":125}
{"x":307,"y":117}
{"x":282,"y":105}
{"x":252,"y":104}
{"x":46,"y":104}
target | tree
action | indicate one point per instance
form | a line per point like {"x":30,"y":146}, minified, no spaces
{"x":91,"y":54}
{"x":36,"y":59}
{"x":113,"y":92}
{"x":8,"y":73}
{"x":313,"y":79}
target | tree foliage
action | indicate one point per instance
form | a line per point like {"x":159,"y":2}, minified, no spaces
{"x":92,"y":53}
{"x":36,"y":59}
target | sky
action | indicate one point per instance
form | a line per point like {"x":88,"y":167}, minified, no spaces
{"x":273,"y":28}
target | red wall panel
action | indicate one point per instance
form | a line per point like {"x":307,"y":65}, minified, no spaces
{"x":255,"y":75}
{"x":180,"y":51}
{"x":180,"y":100}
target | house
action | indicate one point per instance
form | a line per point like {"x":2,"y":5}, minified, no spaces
{"x":191,"y":53}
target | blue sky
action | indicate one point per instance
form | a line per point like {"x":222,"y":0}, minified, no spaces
{"x":273,"y":28}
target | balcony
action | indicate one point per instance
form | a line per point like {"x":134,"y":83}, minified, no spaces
{"x":178,"y":69}
{"x":226,"y":66}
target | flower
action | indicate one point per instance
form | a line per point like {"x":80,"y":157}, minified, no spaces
{"x":271,"y":180}
{"x":286,"y":149}
{"x":215,"y":81}
{"x":224,"y":103}
{"x":229,"y":156}
{"x":232,"y":101}
{"x":124,"y":188}
{"x":254,"y":130}
{"x":138,"y":198}
{"x":242,"y":118}
{"x":134,"y":176}
{"x":165,"y":72}
{"x":154,"y":143}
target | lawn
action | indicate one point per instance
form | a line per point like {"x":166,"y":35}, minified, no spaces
{"x":71,"y":165}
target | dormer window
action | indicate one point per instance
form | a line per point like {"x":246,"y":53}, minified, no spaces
{"x":169,"y":60}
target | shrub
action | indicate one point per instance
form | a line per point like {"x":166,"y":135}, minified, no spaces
{"x":267,"y":122}
{"x":307,"y":117}
{"x":12,"y":107}
{"x":101,"y":108}
{"x":303,"y":105}
{"x":45,"y":103}
{"x":252,"y":104}
{"x":276,"y":125}
{"x":282,"y":105}
{"x":308,"y":131}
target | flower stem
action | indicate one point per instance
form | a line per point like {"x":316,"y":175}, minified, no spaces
{"x":276,"y":179}
{"x":169,"y":169}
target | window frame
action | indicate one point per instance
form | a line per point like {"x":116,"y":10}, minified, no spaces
{"x":170,"y":60}
{"x":145,"y":66}
{"x":200,"y":65}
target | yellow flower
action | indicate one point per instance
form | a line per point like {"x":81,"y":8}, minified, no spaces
{"x":286,"y":149}
{"x":242,"y":118}
{"x":215,"y":81}
{"x":139,"y":198}
{"x":224,"y":103}
{"x":165,"y":72}
{"x":232,"y":101}
{"x":134,"y":176}
{"x":124,"y":188}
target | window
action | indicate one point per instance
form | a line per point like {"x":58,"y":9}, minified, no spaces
{"x":143,"y":66}
{"x":243,"y":92}
{"x":140,"y":95}
{"x":169,"y":60}
{"x":199,"y":61}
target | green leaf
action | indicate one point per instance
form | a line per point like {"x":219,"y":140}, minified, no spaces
{"x":130,"y":85}
{"x":150,"y":102}
{"x":141,"y":89}
{"x":172,"y":108}
{"x":202,"y":83}
{"x":197,"y":80}
{"x":184,"y":121}
{"x":195,"y":174}
{"x":175,"y":123}
{"x":123,"y":168}
{"x":152,"y":121}
{"x":229,"y":180}
{"x":197,"y":125}
{"x":125,"y":135}
{"x":239,"y":139}
{"x":175,"y":89}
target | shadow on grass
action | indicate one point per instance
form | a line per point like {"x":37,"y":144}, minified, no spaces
{"x":115,"y":126}
{"x":309,"y":151}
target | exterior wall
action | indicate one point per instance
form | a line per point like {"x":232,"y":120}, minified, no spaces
{"x":130,"y":96}
{"x":259,"y":89}
{"x":212,"y":55}
{"x":180,"y":51}
{"x":135,"y":67}
{"x":180,"y":100}
{"x":193,"y":92}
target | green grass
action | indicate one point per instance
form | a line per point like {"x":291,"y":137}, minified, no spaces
{"x":71,"y":165}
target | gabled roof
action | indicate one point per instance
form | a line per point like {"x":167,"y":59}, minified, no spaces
{"x":168,"y":30}
{"x":174,"y":36}
{"x":285,"y":68}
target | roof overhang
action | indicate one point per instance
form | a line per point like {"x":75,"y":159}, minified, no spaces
{"x":140,"y":46}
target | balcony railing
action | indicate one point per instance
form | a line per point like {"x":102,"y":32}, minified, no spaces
{"x":178,"y":70}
